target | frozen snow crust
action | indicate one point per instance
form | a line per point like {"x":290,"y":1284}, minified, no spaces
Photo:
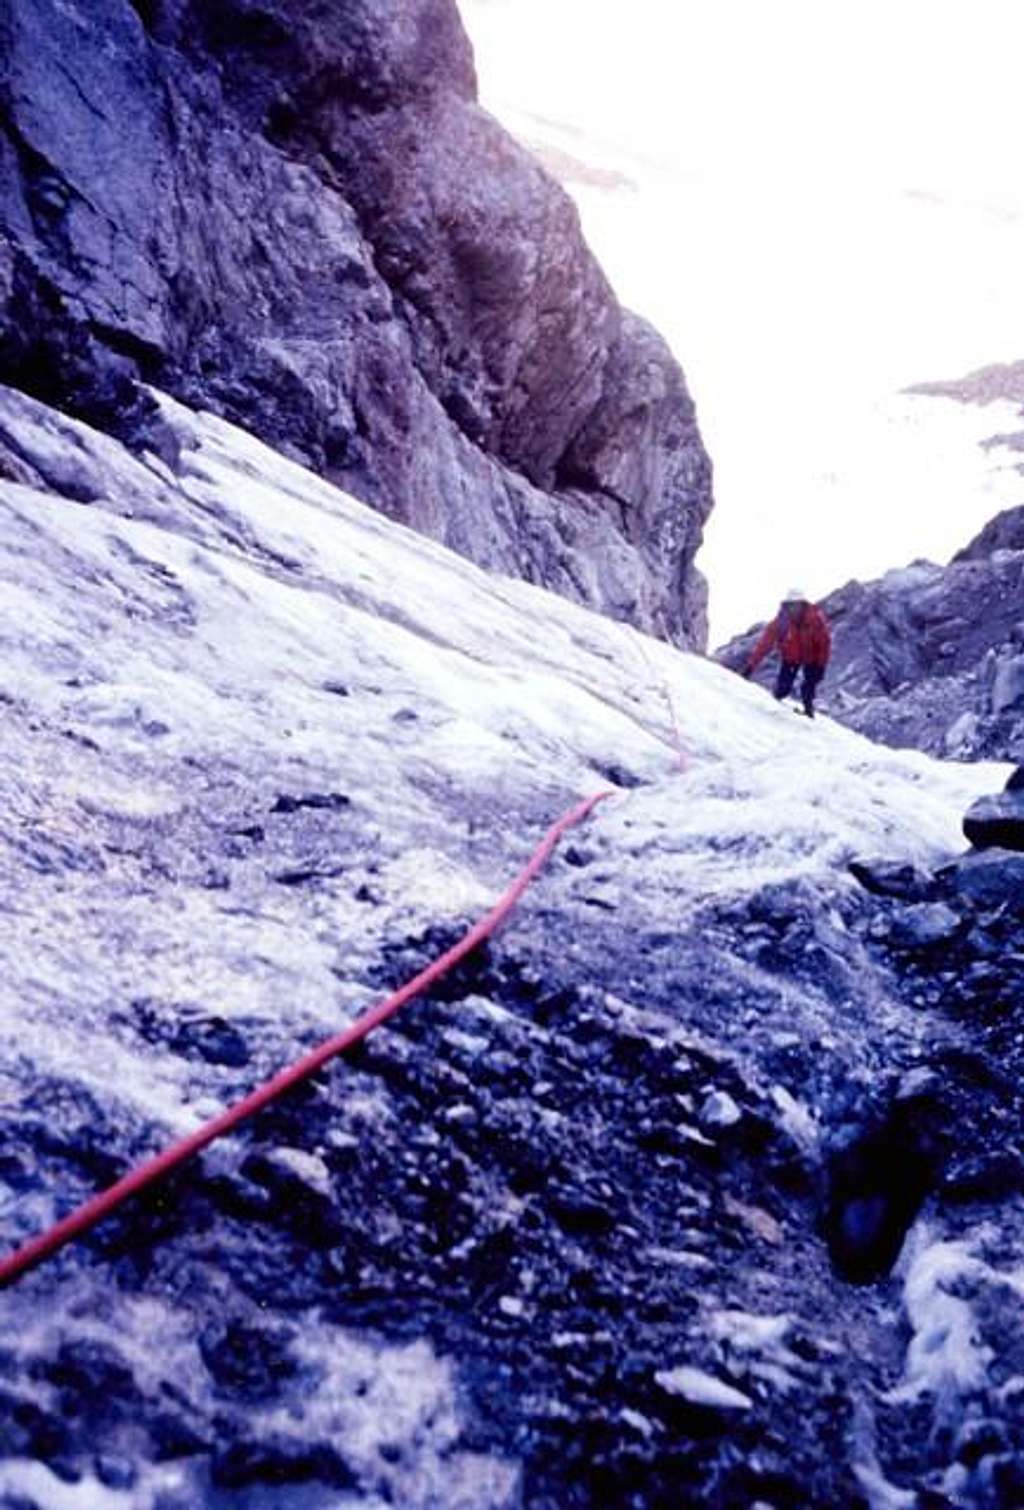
{"x":564,"y":1234}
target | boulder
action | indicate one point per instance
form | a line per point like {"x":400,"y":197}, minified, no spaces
{"x":997,"y":821}
{"x":893,"y":878}
{"x":925,"y":925}
{"x":992,"y":878}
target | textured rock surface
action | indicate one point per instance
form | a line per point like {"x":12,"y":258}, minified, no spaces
{"x":930,"y":657}
{"x":296,"y":215}
{"x":563,"y":1234}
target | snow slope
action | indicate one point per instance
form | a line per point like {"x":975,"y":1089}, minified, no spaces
{"x":467,"y":699}
{"x":257,"y":739}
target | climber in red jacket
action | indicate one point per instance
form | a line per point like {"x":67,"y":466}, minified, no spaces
{"x":800,"y":632}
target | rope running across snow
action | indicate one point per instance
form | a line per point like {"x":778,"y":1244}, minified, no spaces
{"x":144,"y":1175}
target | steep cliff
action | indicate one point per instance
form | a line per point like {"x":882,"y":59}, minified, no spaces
{"x":296,"y":215}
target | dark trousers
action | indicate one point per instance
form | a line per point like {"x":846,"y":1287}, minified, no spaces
{"x":787,"y":676}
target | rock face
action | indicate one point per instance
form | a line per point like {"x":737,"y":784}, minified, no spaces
{"x":610,"y":1217}
{"x":296,"y":215}
{"x":930,"y":657}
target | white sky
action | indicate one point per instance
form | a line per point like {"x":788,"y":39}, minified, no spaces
{"x":829,"y":205}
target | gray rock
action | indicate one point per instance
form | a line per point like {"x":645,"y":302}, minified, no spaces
{"x":992,"y":878}
{"x":890,"y":878}
{"x":297,"y":216}
{"x":1007,"y":694}
{"x":924,"y":925}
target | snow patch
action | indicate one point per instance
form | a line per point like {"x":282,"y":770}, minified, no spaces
{"x":946,"y":1356}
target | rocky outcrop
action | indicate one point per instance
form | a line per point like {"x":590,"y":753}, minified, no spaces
{"x":700,"y":1185}
{"x":297,"y":216}
{"x":1003,"y":533}
{"x":930,"y":657}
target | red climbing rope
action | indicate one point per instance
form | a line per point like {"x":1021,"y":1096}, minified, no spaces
{"x":99,"y":1206}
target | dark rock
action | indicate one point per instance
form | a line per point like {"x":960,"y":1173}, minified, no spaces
{"x":305,"y":873}
{"x":16,"y":1172}
{"x":996,"y":822}
{"x":278,"y":1461}
{"x":1003,"y":533}
{"x":90,"y":1371}
{"x":27,"y":1430}
{"x":13,"y":469}
{"x":979,"y":1439}
{"x":620,"y":776}
{"x":248,"y":1361}
{"x":579,"y":1214}
{"x":175,"y":1436}
{"x":233,"y":1194}
{"x":254,"y":831}
{"x":877,"y":1182}
{"x":211,"y":1039}
{"x":891,"y":878}
{"x":572,"y":854}
{"x":1008,"y":1478}
{"x":332,"y":802}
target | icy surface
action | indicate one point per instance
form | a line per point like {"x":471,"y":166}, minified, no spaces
{"x":947,"y":1356}
{"x":466,"y":694}
{"x":258,"y":743}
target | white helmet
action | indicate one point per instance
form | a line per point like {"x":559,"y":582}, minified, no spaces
{"x":796,"y":595}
